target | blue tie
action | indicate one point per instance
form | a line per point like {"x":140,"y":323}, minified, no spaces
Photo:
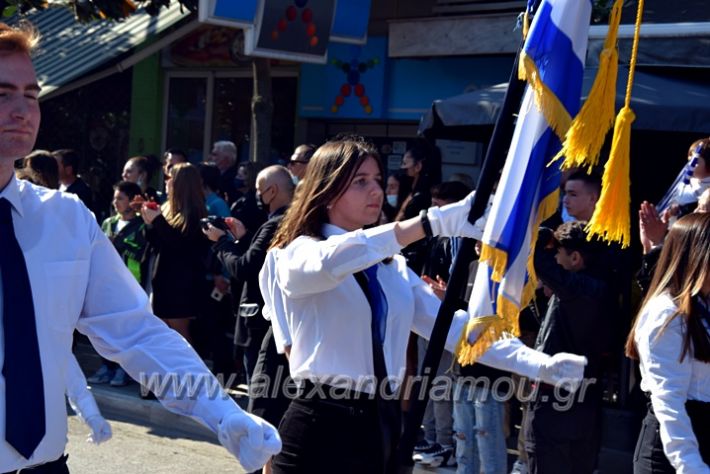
{"x":378,"y":304}
{"x":24,"y":391}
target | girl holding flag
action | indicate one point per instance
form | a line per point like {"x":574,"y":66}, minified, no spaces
{"x":343,"y":302}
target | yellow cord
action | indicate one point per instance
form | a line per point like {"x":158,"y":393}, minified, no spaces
{"x":611,"y":220}
{"x":634,"y":53}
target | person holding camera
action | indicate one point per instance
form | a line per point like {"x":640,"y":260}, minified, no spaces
{"x":173,"y":230}
{"x":274,"y":189}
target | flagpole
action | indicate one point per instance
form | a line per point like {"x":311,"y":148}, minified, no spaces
{"x":492,"y":165}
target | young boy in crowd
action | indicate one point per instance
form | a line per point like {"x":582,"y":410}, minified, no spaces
{"x":126,"y":231}
{"x":562,"y":434}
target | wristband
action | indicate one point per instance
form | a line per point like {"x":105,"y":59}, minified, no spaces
{"x":426,"y":225}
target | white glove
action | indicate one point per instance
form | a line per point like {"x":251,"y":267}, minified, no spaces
{"x":452,"y":220}
{"x":100,"y":429}
{"x":566,"y":370}
{"x":249,"y":438}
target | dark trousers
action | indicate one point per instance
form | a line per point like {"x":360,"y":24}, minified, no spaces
{"x":252,"y":349}
{"x":268,"y":385}
{"x":562,"y":441}
{"x":58,"y":466}
{"x":209,"y":335}
{"x":335,"y":435}
{"x":649,"y":457}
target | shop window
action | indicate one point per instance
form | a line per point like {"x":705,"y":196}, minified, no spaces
{"x":232,"y":114}
{"x":187,"y":109}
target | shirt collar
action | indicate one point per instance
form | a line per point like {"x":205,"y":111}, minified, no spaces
{"x":330,"y":230}
{"x":12,"y":194}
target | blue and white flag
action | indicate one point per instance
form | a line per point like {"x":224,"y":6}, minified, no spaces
{"x":552,"y":61}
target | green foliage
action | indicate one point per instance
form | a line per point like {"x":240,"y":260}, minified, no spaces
{"x":88,"y":10}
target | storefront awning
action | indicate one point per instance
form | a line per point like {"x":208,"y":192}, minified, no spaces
{"x":660,"y":102}
{"x":69,"y":49}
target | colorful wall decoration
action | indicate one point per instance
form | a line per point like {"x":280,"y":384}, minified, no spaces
{"x":350,"y":85}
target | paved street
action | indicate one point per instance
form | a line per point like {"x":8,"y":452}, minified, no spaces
{"x":135,"y":448}
{"x":146,"y":437}
{"x":138,"y":449}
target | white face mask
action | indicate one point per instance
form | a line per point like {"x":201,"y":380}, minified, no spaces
{"x":392,"y":200}
{"x":295,"y":179}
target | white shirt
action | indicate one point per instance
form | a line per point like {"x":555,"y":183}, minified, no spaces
{"x":317,"y":307}
{"x":78,"y":393}
{"x":671,"y":382}
{"x":79,"y":281}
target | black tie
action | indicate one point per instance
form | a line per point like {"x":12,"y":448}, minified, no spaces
{"x":24,"y":391}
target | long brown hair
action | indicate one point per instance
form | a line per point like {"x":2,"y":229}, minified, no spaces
{"x":329,"y":172}
{"x":682,"y":269}
{"x":186,"y":204}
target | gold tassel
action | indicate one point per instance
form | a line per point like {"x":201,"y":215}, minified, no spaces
{"x":611,"y":220}
{"x":585,"y":137}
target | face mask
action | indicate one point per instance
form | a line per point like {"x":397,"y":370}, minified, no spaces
{"x":392,"y":200}
{"x":238,"y":183}
{"x":261,"y":204}
{"x":295,"y":179}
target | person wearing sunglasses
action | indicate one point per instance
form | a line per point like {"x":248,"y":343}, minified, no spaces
{"x":299,"y":161}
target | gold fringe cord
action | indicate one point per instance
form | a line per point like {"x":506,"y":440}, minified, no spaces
{"x":611,"y":220}
{"x":496,"y":259}
{"x":547,"y":102}
{"x":585,"y":137}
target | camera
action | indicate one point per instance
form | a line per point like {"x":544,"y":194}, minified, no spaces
{"x":216,"y":221}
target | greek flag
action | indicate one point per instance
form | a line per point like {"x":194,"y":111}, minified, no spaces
{"x":552,"y":61}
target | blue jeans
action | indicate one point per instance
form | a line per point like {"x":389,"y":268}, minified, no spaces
{"x":438,"y":422}
{"x":478,"y":431}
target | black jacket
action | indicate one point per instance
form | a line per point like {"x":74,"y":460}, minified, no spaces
{"x":579,"y":314}
{"x":245,"y":266}
{"x":226,"y":184}
{"x":247,"y":210}
{"x":179,"y":269}
{"x":81,"y":189}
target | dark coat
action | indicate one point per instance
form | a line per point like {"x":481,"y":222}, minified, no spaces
{"x":248,"y":212}
{"x":226,"y":185}
{"x":579,"y":313}
{"x":81,"y":189}
{"x":179,"y":270}
{"x":245,"y":265}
